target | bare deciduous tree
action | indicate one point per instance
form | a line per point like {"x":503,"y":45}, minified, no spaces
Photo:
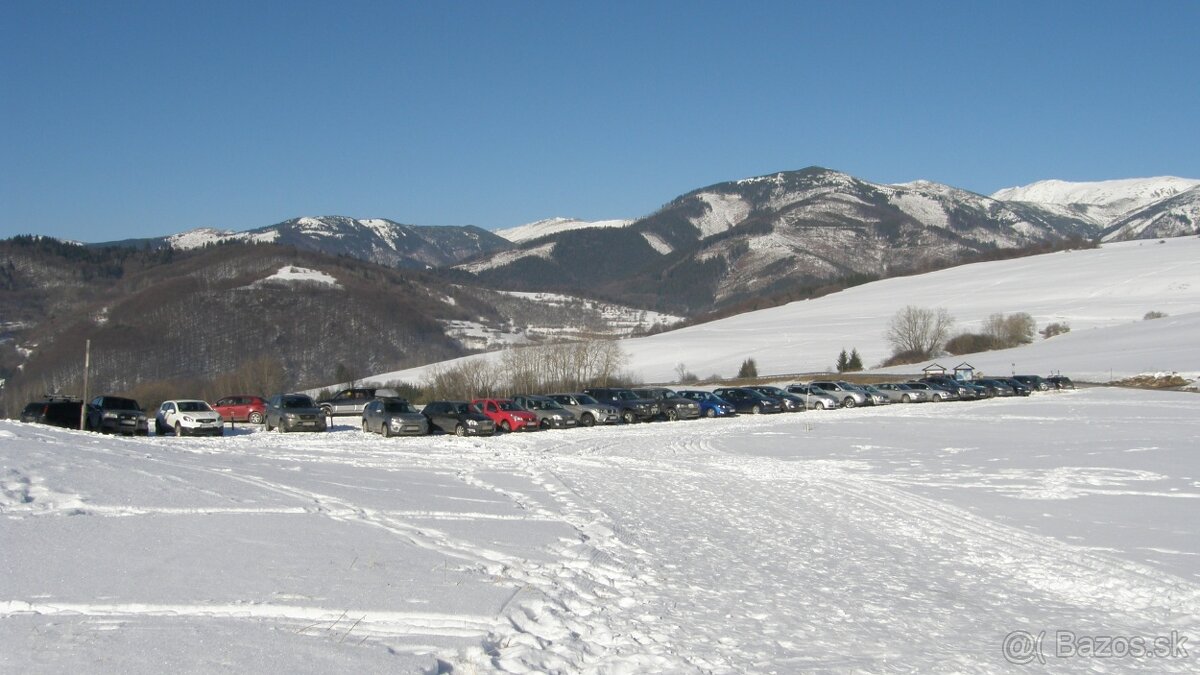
{"x":918,"y":330}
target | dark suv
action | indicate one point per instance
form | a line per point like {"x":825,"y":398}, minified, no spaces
{"x":629,"y":405}
{"x":57,"y":411}
{"x":670,"y":404}
{"x":351,"y":401}
{"x":117,"y":415}
{"x":459,"y":418}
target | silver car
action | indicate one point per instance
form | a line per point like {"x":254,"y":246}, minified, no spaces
{"x":550,"y":413}
{"x":849,"y":395}
{"x":588,"y":410}
{"x":393,"y":417}
{"x":814,"y":398}
{"x":936,"y":394}
{"x":878,"y":397}
{"x":899,"y":392}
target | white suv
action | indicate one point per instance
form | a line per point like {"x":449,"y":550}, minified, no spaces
{"x":188,"y":418}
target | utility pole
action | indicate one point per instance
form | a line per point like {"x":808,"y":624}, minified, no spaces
{"x":87,"y":362}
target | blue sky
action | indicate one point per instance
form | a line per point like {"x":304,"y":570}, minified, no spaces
{"x":132,"y":119}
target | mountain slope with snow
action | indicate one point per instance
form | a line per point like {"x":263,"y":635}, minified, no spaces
{"x":1095,"y":291}
{"x":1174,"y":216}
{"x":549,"y":226}
{"x":1105,"y":201}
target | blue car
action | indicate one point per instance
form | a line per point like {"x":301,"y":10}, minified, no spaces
{"x":711,"y":405}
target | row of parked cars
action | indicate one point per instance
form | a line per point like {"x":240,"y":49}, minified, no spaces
{"x":384,"y":412}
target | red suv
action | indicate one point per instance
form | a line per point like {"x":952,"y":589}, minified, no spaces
{"x":507,"y":415}
{"x":242,"y":408}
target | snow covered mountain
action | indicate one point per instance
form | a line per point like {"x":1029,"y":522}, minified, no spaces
{"x":732,"y":242}
{"x":1104,"y":202}
{"x":1171,"y":217}
{"x":378,"y":240}
{"x":549,"y":226}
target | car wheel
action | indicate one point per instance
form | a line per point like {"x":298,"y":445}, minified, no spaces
{"x":504,"y":426}
{"x":460,"y":430}
{"x":672,"y":415}
{"x":588,"y":420}
{"x":366,"y":427}
{"x":326,"y":411}
{"x":255,"y":418}
{"x":267,"y":422}
{"x":385,"y":429}
{"x":628,"y":417}
{"x":937,"y":398}
{"x":906,"y":399}
{"x":178,"y":430}
{"x":711,"y":412}
{"x":158,"y":428}
{"x":757,"y":409}
{"x":849,"y":402}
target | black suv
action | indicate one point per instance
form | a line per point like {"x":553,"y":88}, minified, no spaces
{"x":57,"y":411}
{"x":629,"y":405}
{"x":351,"y":401}
{"x":748,"y":401}
{"x":671,"y":405}
{"x":459,"y":418}
{"x":117,"y":415}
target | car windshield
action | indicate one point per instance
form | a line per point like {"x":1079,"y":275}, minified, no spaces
{"x":584,"y":399}
{"x":508,"y":405}
{"x":120,"y":403}
{"x":193,"y":406}
{"x":297,"y":402}
{"x":398,"y":407}
{"x":463,"y":408}
{"x":626,"y":395}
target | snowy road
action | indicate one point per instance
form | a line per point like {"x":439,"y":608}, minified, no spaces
{"x":906,"y":538}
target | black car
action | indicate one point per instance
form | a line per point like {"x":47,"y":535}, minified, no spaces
{"x":1061,"y":382}
{"x":1019,"y":388}
{"x":56,"y":411}
{"x":671,"y":405}
{"x":293,"y":412}
{"x":788,"y":401}
{"x":965,"y":390}
{"x":747,"y":400}
{"x":459,"y":418}
{"x":117,"y":415}
{"x":629,"y":405}
{"x":1034,"y":382}
{"x":995,"y":387}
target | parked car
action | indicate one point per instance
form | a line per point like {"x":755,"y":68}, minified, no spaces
{"x":293,"y":412}
{"x":550,"y":413}
{"x":995,"y":387}
{"x":1020,"y":388}
{"x":850,"y":396}
{"x":457,"y":417}
{"x":350,"y":402}
{"x":56,"y":411}
{"x":392,"y":416}
{"x":188,"y":418}
{"x":631,"y":407}
{"x":878,"y":397}
{"x":899,"y":392}
{"x":671,"y":405}
{"x":710,"y":404}
{"x":789,"y":402}
{"x":242,"y":408}
{"x":814,"y":398}
{"x":748,"y":401}
{"x":1034,"y":382}
{"x":1061,"y":382}
{"x":507,"y":415}
{"x":963,"y":390}
{"x":117,"y":415}
{"x":587,"y":410}
{"x":935,"y":393}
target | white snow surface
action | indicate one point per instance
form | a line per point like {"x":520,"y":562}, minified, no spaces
{"x":509,"y":257}
{"x":550,"y":226}
{"x":294,"y":274}
{"x":724,"y":212}
{"x":1102,"y":293}
{"x":906,"y":538}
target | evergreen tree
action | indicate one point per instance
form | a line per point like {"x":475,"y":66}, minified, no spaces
{"x":842,"y":362}
{"x":855,"y":363}
{"x":749,"y":369}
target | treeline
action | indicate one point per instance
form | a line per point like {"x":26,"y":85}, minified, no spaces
{"x":567,"y":366}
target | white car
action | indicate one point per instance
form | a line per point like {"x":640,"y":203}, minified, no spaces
{"x":188,"y":418}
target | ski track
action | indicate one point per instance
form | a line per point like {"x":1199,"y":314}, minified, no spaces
{"x":688,"y":555}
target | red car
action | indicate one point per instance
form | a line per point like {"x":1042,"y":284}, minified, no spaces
{"x":507,"y":415}
{"x":242,"y":408}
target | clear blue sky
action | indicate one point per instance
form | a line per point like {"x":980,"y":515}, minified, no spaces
{"x":129,"y":119}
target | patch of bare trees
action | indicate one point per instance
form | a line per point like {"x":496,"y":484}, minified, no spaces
{"x":567,"y":366}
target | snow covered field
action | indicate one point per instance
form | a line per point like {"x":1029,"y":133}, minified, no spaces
{"x":909,"y":538}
